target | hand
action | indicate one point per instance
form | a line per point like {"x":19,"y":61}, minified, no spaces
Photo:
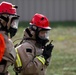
{"x":47,"y":51}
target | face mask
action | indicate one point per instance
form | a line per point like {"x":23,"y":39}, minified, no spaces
{"x":12,"y":32}
{"x":13,"y":26}
{"x":44,"y":35}
{"x":14,"y":23}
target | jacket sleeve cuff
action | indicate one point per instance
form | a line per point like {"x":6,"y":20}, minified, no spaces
{"x":41,"y":59}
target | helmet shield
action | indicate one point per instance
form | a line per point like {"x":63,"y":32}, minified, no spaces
{"x":13,"y":25}
{"x":9,"y":23}
{"x":14,"y":22}
{"x":43,"y":34}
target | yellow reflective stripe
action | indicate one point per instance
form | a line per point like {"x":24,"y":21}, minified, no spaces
{"x":18,"y":61}
{"x":41,"y":59}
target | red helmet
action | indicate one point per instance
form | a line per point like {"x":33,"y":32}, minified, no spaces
{"x":41,"y":21}
{"x":8,"y":8}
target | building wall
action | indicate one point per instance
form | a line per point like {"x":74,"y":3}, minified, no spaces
{"x":55,"y":10}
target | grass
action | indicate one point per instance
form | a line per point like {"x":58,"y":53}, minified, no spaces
{"x":63,"y":60}
{"x":63,"y":56}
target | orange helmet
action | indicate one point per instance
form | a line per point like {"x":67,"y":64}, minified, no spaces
{"x":7,"y":8}
{"x":41,"y":21}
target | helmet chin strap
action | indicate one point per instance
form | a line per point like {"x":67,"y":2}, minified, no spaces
{"x":29,"y":33}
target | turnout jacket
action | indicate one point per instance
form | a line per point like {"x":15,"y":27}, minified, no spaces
{"x":29,"y":51}
{"x":9,"y":54}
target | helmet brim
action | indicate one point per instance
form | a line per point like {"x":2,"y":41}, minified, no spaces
{"x":45,"y":28}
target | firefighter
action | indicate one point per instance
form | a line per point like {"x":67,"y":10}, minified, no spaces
{"x":8,"y":28}
{"x":34,"y":51}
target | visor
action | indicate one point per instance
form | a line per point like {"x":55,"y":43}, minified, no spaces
{"x":44,"y":34}
{"x":14,"y":23}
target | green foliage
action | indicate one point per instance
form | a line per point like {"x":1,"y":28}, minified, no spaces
{"x":63,"y":60}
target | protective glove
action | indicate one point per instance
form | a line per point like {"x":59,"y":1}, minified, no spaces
{"x":47,"y":51}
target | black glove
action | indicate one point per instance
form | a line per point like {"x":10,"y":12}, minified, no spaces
{"x":47,"y":51}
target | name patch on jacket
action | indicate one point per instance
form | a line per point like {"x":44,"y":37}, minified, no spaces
{"x":29,"y":50}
